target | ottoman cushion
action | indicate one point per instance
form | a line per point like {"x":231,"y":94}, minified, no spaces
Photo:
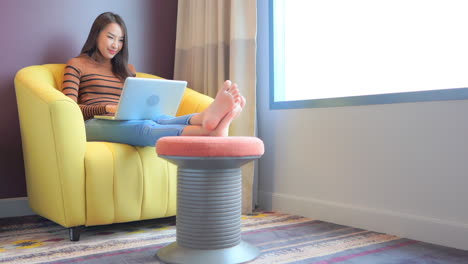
{"x":188,"y":146}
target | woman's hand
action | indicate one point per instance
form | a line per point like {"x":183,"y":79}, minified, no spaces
{"x":111,"y":109}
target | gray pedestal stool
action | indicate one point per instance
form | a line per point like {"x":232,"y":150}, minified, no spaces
{"x":209,"y":197}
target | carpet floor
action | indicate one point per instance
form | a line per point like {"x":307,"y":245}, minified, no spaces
{"x":282,"y":238}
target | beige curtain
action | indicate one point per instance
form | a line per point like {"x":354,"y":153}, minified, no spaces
{"x":216,"y":41}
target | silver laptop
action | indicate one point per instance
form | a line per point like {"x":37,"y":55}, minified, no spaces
{"x":146,"y":99}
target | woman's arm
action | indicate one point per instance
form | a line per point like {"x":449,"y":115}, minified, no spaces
{"x":71,"y":86}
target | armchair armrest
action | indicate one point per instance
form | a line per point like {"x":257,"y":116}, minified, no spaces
{"x":193,"y":102}
{"x":54,"y":145}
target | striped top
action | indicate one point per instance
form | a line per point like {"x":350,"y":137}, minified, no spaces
{"x":92,"y":85}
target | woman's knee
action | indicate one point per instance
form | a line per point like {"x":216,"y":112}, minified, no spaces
{"x":163,"y":118}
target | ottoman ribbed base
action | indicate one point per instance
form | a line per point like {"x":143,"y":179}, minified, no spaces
{"x":209,"y":199}
{"x":208,"y":215}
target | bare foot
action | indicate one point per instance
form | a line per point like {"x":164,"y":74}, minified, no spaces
{"x":242,"y":102}
{"x":225,"y":101}
{"x":241,"y":105}
{"x":222,"y":130}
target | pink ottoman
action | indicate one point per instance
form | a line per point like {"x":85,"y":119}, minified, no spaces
{"x":209,"y":197}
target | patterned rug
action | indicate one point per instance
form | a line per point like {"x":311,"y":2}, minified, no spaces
{"x":281,"y":238}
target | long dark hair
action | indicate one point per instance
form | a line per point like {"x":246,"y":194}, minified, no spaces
{"x":120,"y":60}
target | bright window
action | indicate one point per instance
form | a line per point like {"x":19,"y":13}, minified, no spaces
{"x":352,"y":52}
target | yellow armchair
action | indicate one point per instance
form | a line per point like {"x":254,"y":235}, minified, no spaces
{"x":77,"y":183}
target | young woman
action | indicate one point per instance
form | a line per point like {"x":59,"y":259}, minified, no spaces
{"x":95,"y":79}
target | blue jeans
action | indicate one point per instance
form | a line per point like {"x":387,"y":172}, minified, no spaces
{"x":135,"y":132}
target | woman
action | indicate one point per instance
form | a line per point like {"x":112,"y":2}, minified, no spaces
{"x":95,"y":78}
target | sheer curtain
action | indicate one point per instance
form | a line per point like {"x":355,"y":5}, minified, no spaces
{"x":216,"y":41}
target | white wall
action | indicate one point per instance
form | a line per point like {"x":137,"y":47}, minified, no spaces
{"x":400,"y":169}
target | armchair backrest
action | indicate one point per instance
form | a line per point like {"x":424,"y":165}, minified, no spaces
{"x":57,"y":71}
{"x":192,"y":101}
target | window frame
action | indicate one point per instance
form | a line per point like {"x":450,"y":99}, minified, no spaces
{"x":388,"y":98}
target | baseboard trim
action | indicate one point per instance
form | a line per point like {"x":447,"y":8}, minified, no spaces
{"x":15,"y":207}
{"x":426,"y":229}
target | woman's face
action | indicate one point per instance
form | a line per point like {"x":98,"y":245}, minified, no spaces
{"x":110,"y":40}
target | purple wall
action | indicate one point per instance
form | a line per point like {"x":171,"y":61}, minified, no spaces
{"x":52,"y":31}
